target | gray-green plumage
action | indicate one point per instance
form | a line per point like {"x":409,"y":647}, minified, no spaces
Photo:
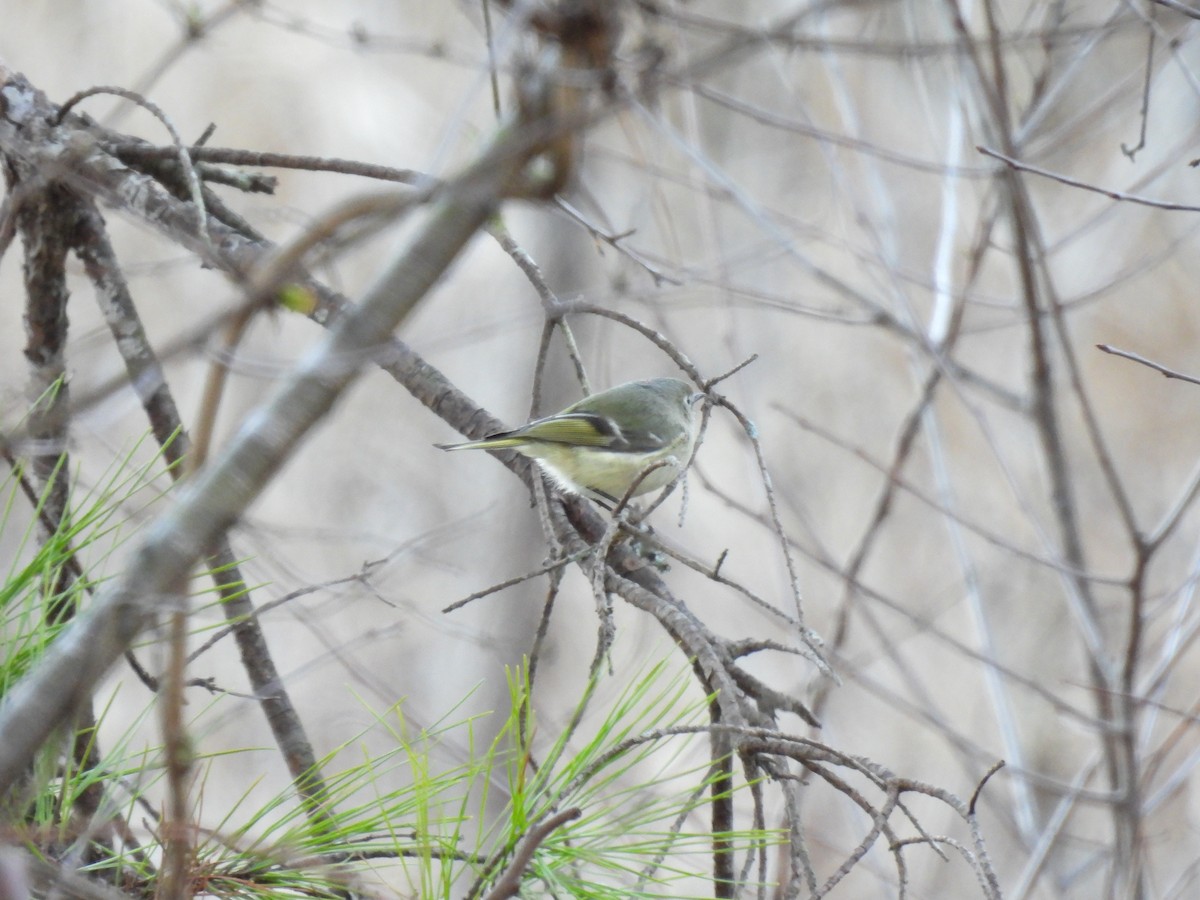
{"x":601,"y":444}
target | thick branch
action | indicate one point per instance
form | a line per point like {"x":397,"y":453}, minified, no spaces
{"x":218,"y":496}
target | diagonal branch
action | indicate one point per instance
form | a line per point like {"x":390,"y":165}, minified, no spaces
{"x":214,"y":500}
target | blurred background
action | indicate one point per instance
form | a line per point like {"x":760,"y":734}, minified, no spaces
{"x":994,"y":521}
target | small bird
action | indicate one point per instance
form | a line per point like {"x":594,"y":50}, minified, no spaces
{"x":599,"y":446}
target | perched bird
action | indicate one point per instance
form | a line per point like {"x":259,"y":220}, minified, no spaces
{"x":600,"y":445}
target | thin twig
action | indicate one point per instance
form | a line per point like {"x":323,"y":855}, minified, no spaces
{"x":1149,"y":363}
{"x":185,"y":160}
{"x":1083,"y":185}
{"x":1147,"y":81}
{"x":551,"y":566}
